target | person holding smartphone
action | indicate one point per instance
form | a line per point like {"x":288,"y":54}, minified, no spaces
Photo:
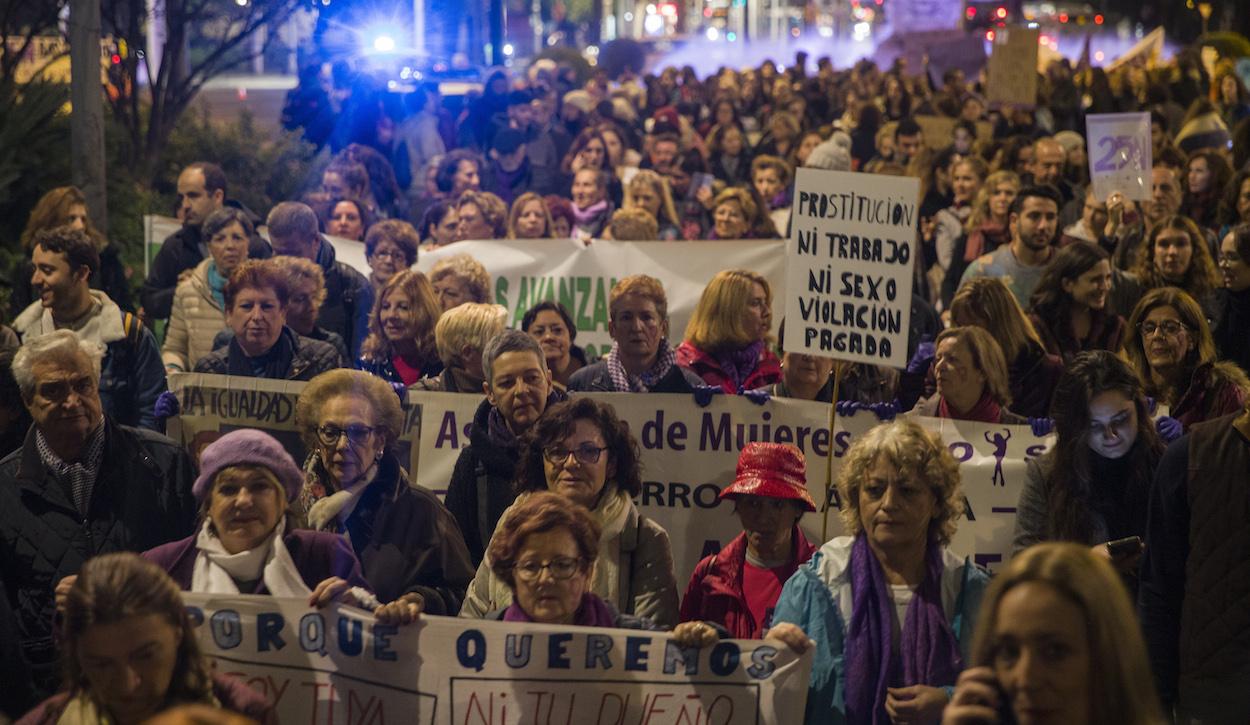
{"x":1093,"y":485}
{"x":1057,"y":642}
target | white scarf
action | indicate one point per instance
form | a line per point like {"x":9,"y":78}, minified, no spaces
{"x":216,"y":570}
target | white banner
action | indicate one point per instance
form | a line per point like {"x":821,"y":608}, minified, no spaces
{"x":525,"y":272}
{"x":688,"y":453}
{"x":578,"y":274}
{"x":1120,"y":154}
{"x":849,"y":266}
{"x":338,"y":665}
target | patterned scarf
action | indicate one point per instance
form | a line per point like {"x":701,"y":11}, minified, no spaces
{"x":622,"y":381}
{"x":81,"y":474}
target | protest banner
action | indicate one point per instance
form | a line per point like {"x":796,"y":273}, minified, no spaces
{"x":1012,"y":70}
{"x":938,"y":130}
{"x":688,"y":453}
{"x":339,"y":665}
{"x":577,"y":274}
{"x":849,"y":266}
{"x":525,"y":272}
{"x":1120,"y":154}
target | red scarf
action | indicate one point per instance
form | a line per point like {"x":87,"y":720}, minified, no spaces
{"x":985,"y":411}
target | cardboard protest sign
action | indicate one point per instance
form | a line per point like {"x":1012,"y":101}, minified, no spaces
{"x":688,"y":453}
{"x":939,"y":129}
{"x":338,"y":665}
{"x":1012,"y":70}
{"x":849,"y":266}
{"x":1120,"y":154}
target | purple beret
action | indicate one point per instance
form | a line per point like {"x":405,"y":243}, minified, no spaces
{"x":247,"y":447}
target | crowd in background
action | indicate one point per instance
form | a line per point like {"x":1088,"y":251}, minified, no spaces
{"x":1119,"y":326}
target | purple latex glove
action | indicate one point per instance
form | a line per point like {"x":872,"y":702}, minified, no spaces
{"x":1169,"y":428}
{"x":759,"y":397}
{"x":1041,"y":426}
{"x":166,"y":405}
{"x":924,"y":354}
{"x":703,"y":394}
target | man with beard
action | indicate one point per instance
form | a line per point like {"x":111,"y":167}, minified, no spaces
{"x":1033,"y":221}
{"x":518,"y":391}
{"x":133,"y":375}
{"x":201,"y":191}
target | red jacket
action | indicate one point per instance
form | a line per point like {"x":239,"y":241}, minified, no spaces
{"x":703,"y":364}
{"x":715,"y":590}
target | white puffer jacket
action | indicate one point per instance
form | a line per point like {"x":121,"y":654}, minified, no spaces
{"x":193,"y":322}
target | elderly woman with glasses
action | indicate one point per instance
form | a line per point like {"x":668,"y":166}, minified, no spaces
{"x":247,"y":542}
{"x":1174,"y":355}
{"x":406,"y":540}
{"x":580,"y":450}
{"x":548,"y":560}
{"x":891,"y":607}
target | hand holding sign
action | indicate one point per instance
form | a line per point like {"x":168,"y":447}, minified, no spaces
{"x":1120,"y":154}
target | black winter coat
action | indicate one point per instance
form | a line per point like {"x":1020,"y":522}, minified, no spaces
{"x":408,"y":542}
{"x":181,"y":251}
{"x":484,"y":470}
{"x":595,"y":378}
{"x":311,"y":358}
{"x":141,"y":499}
{"x":349,"y":300}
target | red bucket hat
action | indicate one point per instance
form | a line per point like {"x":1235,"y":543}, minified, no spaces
{"x":774,"y":470}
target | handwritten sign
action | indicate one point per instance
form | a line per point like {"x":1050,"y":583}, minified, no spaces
{"x":849,"y":266}
{"x":338,"y":665}
{"x":1120,"y":154}
{"x":1012,"y":70}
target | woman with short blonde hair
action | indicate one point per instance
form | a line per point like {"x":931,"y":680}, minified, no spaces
{"x":650,"y":192}
{"x":972,"y":382}
{"x":458,"y":279}
{"x":727,"y":336}
{"x":461,"y":335}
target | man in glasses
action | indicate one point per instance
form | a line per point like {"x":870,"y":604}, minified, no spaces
{"x":518,"y":391}
{"x":132,"y":376}
{"x":81,"y":485}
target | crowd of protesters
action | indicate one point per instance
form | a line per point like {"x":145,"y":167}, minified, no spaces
{"x":1119,"y":326}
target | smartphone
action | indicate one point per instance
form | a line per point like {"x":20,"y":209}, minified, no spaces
{"x":699,"y":181}
{"x":1126,"y":547}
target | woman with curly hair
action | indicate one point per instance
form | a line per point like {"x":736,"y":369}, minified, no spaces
{"x":582,"y":451}
{"x":1206,"y":177}
{"x":1092,"y":486}
{"x":458,"y":279}
{"x":124,"y":615}
{"x":1177,"y":255}
{"x":400,"y":347}
{"x":589,"y":150}
{"x":892,"y":605}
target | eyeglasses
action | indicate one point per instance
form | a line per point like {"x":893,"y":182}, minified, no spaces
{"x":561,"y":568}
{"x":357,"y":435}
{"x":59,"y":390}
{"x":585,"y":453}
{"x":388,"y":255}
{"x":1230,"y":259}
{"x":1171,"y":328}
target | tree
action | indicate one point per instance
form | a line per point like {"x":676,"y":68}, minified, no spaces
{"x":148,"y":112}
{"x":21,"y":23}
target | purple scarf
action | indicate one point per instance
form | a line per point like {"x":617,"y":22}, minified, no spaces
{"x":927,"y":646}
{"x":739,"y":364}
{"x":592,"y":612}
{"x":589,"y":215}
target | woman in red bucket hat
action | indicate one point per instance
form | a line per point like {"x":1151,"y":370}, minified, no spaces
{"x":738,"y":586}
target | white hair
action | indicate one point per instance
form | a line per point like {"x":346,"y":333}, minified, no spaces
{"x":62,"y":345}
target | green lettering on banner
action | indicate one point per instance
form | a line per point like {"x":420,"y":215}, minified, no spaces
{"x":501,"y":291}
{"x":583,"y":291}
